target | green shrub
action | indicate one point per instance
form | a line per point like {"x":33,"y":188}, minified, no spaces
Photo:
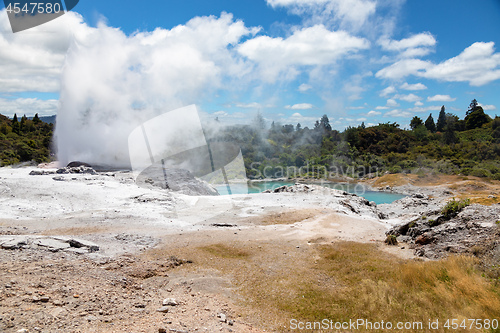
{"x":454,"y":207}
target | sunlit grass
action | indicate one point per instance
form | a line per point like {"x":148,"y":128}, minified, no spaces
{"x":347,"y":280}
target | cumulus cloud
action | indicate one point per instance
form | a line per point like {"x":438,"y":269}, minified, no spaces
{"x":392,"y":103}
{"x":33,"y":60}
{"x":478,"y":64}
{"x":415,"y":46}
{"x":304,"y":87}
{"x":299,"y":118}
{"x":397,"y":113}
{"x":387,"y":91}
{"x":416,"y":86}
{"x":408,"y":98}
{"x":253,"y":105}
{"x":28,"y":106}
{"x":301,"y":106}
{"x":403,"y":68}
{"x":313,"y":46}
{"x":488,"y":107}
{"x":426,"y":109}
{"x":373,"y":113}
{"x":348,"y":14}
{"x":441,"y":98}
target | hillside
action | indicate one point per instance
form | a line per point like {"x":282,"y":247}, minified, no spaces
{"x":24,"y":140}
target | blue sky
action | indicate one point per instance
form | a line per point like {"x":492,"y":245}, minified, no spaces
{"x":357,"y":61}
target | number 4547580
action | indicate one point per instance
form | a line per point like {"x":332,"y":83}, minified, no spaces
{"x":471,"y":324}
{"x":34,"y":8}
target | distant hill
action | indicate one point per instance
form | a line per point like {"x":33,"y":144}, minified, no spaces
{"x":47,"y":119}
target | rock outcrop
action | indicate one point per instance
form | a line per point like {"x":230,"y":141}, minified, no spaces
{"x":475,"y":229}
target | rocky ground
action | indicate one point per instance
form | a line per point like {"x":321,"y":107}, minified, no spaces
{"x":76,"y":246}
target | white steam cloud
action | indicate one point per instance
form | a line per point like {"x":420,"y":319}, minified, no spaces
{"x":112,"y":82}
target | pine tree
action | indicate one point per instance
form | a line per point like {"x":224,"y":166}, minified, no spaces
{"x":430,"y":124}
{"x":325,"y":124}
{"x":299,"y":127}
{"x":15,"y":125}
{"x":441,"y":123}
{"x":37,"y":120}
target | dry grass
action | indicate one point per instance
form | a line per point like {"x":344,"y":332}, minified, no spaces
{"x":347,"y":280}
{"x":75,"y":231}
{"x":397,"y":179}
{"x":286,"y":217}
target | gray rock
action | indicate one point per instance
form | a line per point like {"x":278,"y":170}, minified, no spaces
{"x":170,"y":302}
{"x":163,"y":309}
{"x":222,"y":317}
{"x":52,"y":244}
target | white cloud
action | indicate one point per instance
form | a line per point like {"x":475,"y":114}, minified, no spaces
{"x":397,"y":113}
{"x":220,"y":113}
{"x":381,"y":108}
{"x":348,"y":14}
{"x":387,"y":91}
{"x":299,"y":118}
{"x":373,"y":113}
{"x":403,"y":68}
{"x":416,"y":86}
{"x":28,"y":106}
{"x":33,"y":60}
{"x":414,"y":46}
{"x":411,"y":98}
{"x":313,"y":46}
{"x":440,"y":98}
{"x":304,"y":87}
{"x":253,"y":105}
{"x":478,"y":64}
{"x":392,"y":103}
{"x":488,"y":107}
{"x":301,"y":106}
{"x":426,"y":109}
{"x":418,"y":103}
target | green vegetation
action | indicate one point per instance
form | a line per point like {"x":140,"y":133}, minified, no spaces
{"x":24,"y":140}
{"x":453,"y":207}
{"x":469,"y":146}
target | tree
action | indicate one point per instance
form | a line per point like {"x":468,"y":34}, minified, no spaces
{"x":299,"y":127}
{"x":22,"y":123}
{"x":476,"y":118}
{"x":15,"y":125}
{"x":430,"y":125}
{"x":37,"y":120}
{"x":441,"y":123}
{"x":472,"y":107}
{"x":325,"y":124}
{"x":416,"y":122}
{"x":449,"y":134}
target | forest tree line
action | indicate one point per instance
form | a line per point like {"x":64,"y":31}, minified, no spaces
{"x":448,"y":144}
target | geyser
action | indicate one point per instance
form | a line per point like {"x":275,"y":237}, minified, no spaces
{"x":112,"y":83}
